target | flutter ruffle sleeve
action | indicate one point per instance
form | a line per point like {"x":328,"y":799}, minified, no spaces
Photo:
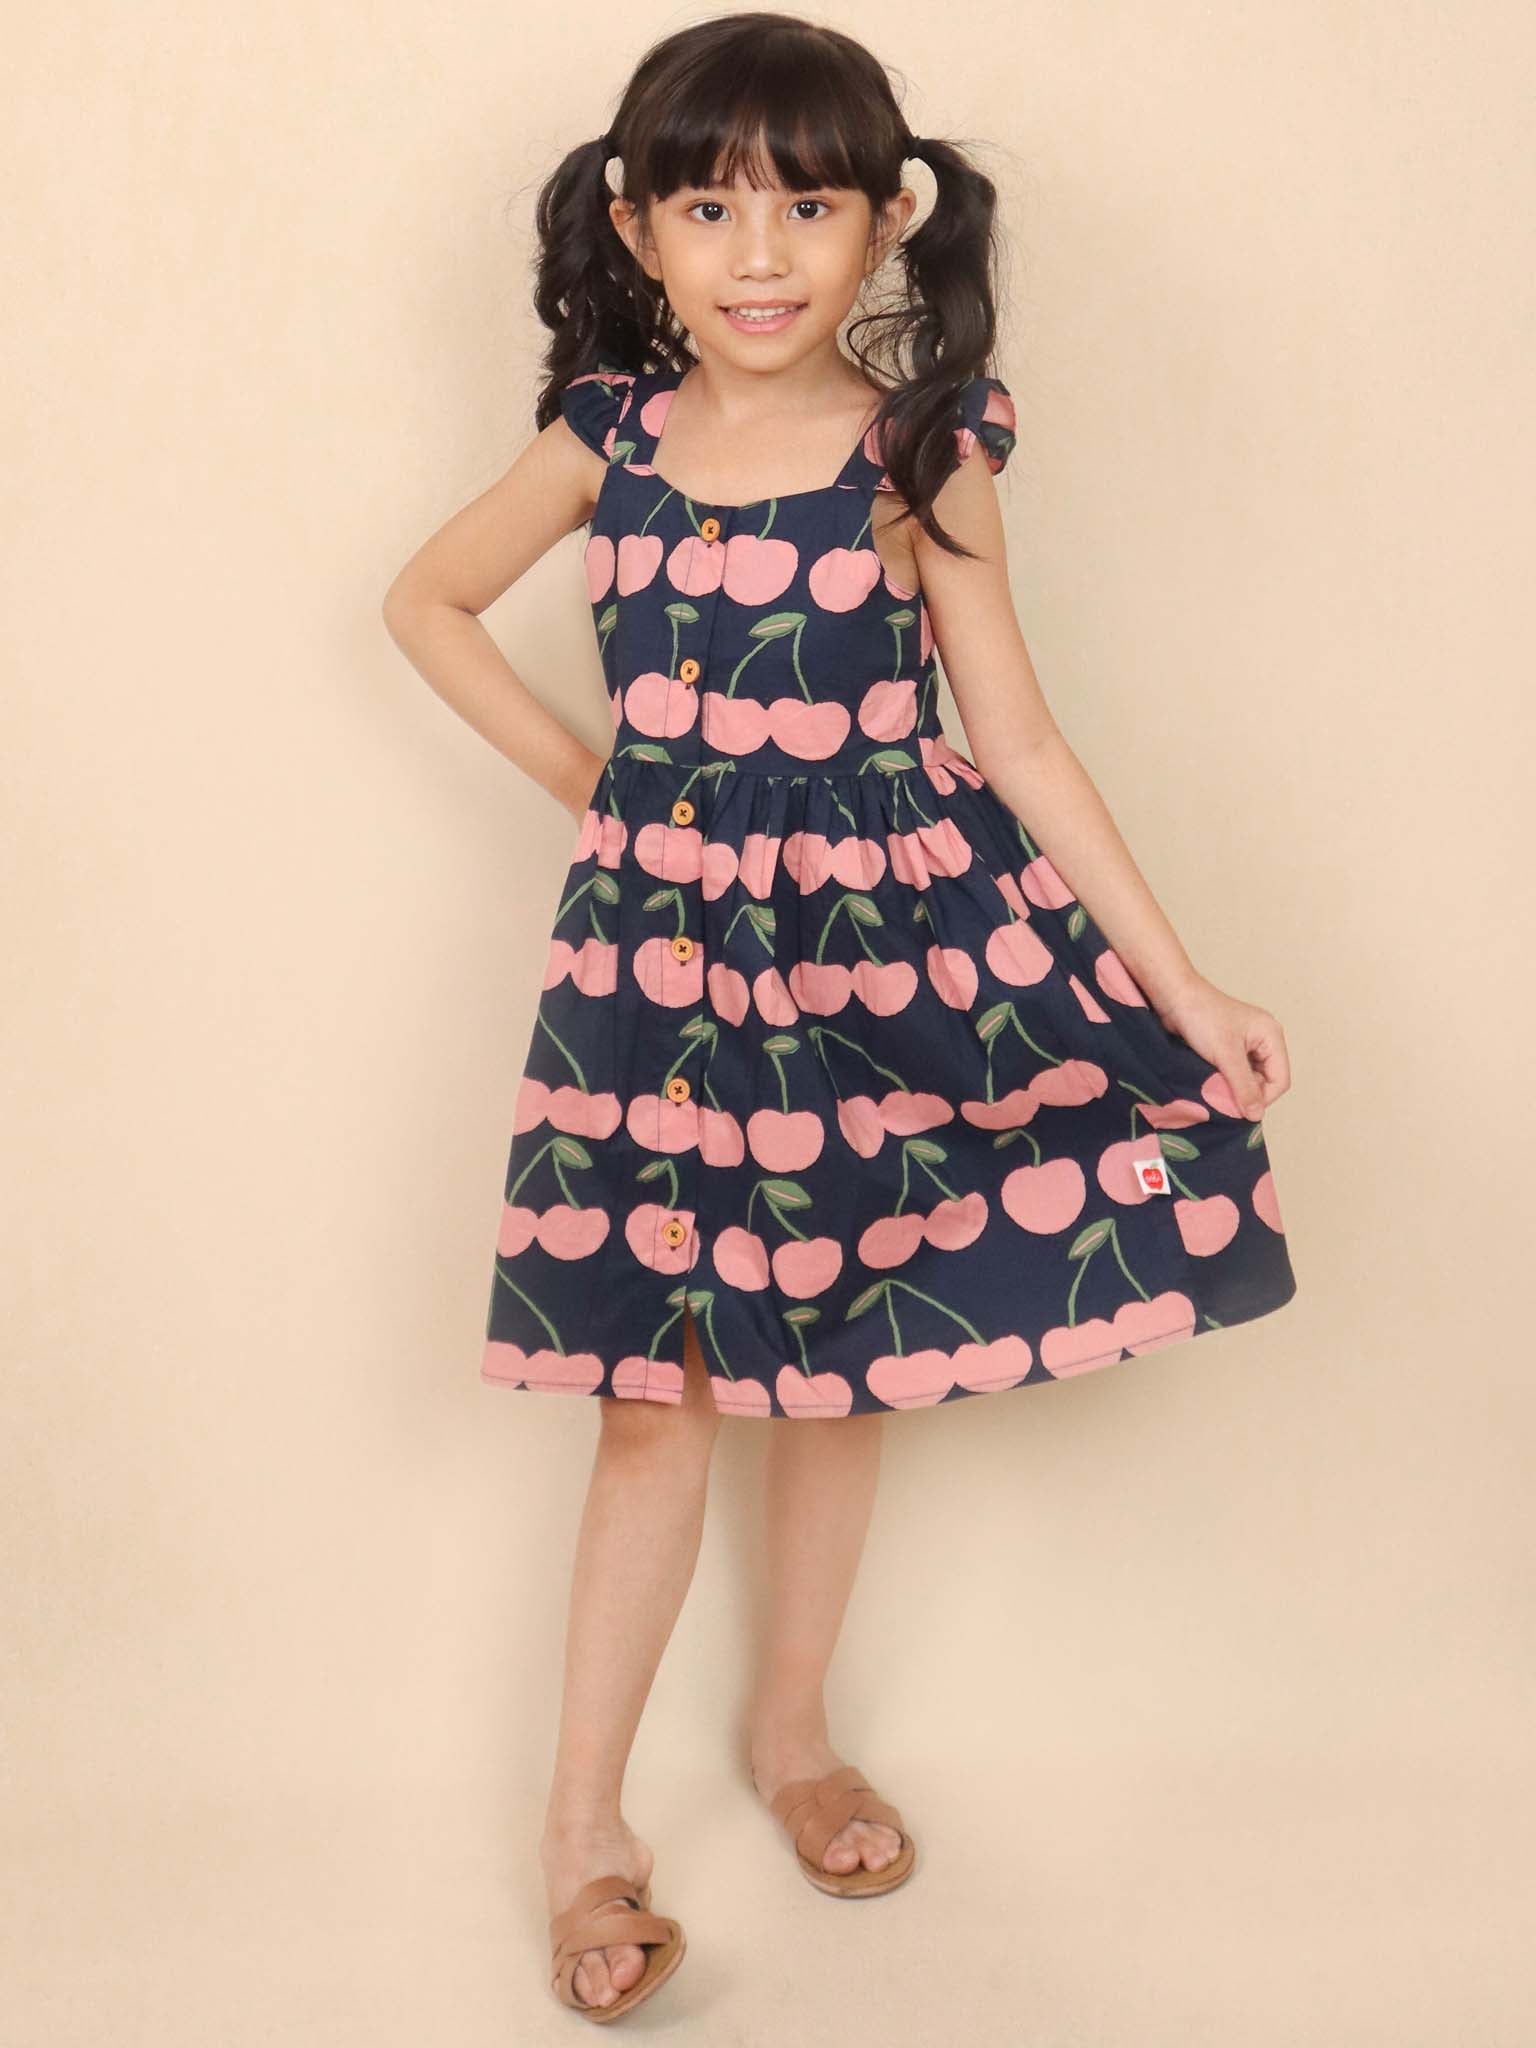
{"x":986,"y":416}
{"x":590,"y":405}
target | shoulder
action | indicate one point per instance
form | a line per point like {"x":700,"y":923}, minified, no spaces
{"x":593,"y":404}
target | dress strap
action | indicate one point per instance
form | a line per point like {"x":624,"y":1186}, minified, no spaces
{"x":640,"y":423}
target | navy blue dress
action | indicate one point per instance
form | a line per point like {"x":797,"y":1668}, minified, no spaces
{"x":828,"y":1056}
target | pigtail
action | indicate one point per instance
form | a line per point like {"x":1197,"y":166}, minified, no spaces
{"x":945,"y":332}
{"x":589,"y":290}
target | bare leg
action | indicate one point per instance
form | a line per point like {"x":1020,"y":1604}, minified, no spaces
{"x":635,"y":1555}
{"x":820,"y":1490}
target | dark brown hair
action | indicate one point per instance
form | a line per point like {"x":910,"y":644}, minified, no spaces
{"x":746,"y":92}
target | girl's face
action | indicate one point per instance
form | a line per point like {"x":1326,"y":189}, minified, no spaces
{"x":717,"y":248}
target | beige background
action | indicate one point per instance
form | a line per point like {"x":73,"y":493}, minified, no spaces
{"x":1205,"y":1680}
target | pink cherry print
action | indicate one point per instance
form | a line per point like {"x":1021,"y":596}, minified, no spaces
{"x":1044,"y":886}
{"x":1079,"y":1347}
{"x":890,"y":1240}
{"x":673,"y":853}
{"x":695,"y":566}
{"x":1045,"y":1198}
{"x":733,"y":725}
{"x":1114,"y":977}
{"x":841,"y":578}
{"x":808,"y":731}
{"x":1208,"y":1225}
{"x":807,"y":1267}
{"x":569,"y":1233}
{"x":1149,"y":1325}
{"x":740,"y":1396}
{"x":1008,"y":1112}
{"x":595,"y":1115}
{"x":1017,"y":954}
{"x":956,"y":1221}
{"x":888,"y":710}
{"x":785,"y":1141}
{"x":1002,"y":1363}
{"x":908,"y":1111}
{"x":861,"y":1124}
{"x":821,"y":987}
{"x":665,"y":978}
{"x":728,"y":991}
{"x":1117,"y":1168}
{"x":519,"y":1227}
{"x":821,"y":1393}
{"x":1266,"y":1203}
{"x":758,"y":571}
{"x":638,"y":561}
{"x":884,"y":986}
{"x":597,"y":559}
{"x":638,"y":1378}
{"x":911,"y":1379}
{"x":1088,"y":1002}
{"x":1070,"y":1082}
{"x":658,"y":1124}
{"x":741,"y":1258}
{"x":952,"y":974}
{"x":643,"y":1228}
{"x":660,"y":707}
{"x":563,"y":1372}
{"x":721,"y":1140}
{"x":774,"y":1002}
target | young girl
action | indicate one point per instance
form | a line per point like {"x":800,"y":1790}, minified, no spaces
{"x":863,"y":1077}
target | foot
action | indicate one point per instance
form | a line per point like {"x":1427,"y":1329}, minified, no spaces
{"x":573,"y":1858}
{"x":775,"y":1764}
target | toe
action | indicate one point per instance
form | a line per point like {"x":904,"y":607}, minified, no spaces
{"x":878,"y":1844}
{"x":603,"y":1973}
{"x":842,"y":1852}
{"x":626,"y":1963}
{"x":591,"y":1982}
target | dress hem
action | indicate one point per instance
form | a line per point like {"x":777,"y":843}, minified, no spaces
{"x":671,"y":1395}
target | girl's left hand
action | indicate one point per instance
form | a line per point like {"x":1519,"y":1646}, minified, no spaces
{"x":1244,"y":1042}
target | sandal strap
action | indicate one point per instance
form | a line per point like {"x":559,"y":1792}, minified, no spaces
{"x":599,"y":1916}
{"x":813,"y":1810}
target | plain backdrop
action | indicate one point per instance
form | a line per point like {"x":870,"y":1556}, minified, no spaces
{"x":1205,"y":1681}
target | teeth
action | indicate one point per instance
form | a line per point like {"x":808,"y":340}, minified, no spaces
{"x":760,"y":312}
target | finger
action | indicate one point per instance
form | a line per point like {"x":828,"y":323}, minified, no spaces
{"x":1267,"y":1047}
{"x":1247,"y":1087}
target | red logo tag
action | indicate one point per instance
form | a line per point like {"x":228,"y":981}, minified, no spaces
{"x":1151,"y":1176}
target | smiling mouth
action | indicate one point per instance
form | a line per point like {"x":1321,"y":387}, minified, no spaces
{"x":763,"y":309}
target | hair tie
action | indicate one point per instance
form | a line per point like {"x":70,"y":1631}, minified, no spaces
{"x":610,"y":148}
{"x":914,"y":145}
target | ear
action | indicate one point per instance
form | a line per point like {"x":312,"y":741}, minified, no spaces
{"x":889,"y":225}
{"x":625,"y":216}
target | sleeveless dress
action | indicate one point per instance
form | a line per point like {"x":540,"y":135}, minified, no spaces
{"x":827,"y":1054}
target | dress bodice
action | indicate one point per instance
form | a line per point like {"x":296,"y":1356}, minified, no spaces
{"x":767,"y":635}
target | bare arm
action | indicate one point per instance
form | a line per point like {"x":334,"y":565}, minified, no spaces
{"x":1016,"y":744}
{"x":432,"y":608}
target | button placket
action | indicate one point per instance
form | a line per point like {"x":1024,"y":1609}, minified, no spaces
{"x":685,"y":943}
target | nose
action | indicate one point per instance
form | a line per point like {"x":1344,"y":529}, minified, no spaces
{"x":758,"y":249}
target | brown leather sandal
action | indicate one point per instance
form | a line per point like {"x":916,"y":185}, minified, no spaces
{"x":606,"y":1911}
{"x":813,"y":1809}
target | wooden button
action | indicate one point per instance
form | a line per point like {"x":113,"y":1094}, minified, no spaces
{"x":678,"y":1088}
{"x":674,"y":1230}
{"x":682,"y":946}
{"x":709,"y":529}
{"x":682,"y":812}
{"x":688,"y":669}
